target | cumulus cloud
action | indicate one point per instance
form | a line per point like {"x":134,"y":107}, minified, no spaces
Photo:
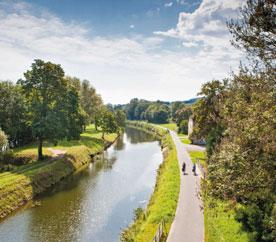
{"x":206,"y":25}
{"x":120,"y":68}
{"x":167,"y":5}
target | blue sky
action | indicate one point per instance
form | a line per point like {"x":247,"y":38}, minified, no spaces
{"x":152,"y":49}
{"x":114,"y":17}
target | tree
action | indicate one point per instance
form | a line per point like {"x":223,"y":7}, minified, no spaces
{"x":157,"y":113}
{"x":130,"y":109}
{"x":208,"y":121}
{"x":183,"y":114}
{"x":256,"y":30}
{"x":3,"y":141}
{"x":120,"y":117}
{"x":108,"y":123}
{"x":91,"y":102}
{"x":175,"y":107}
{"x":243,"y":165}
{"x":44,"y":86}
{"x":183,"y":127}
{"x":13,"y":114}
{"x":74,"y":114}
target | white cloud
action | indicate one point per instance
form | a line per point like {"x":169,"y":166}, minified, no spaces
{"x":132,"y":26}
{"x":167,"y":5}
{"x":120,"y":68}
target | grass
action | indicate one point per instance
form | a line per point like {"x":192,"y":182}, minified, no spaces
{"x":163,"y":202}
{"x":26,"y":181}
{"x":184,"y":139}
{"x":199,"y":156}
{"x":220,"y":224}
{"x":171,"y":126}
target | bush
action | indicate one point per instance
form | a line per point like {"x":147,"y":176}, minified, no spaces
{"x":183,"y":127}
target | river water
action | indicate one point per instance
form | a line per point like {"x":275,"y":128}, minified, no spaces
{"x":98,"y":203}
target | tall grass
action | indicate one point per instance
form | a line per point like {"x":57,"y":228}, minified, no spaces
{"x":220,"y":223}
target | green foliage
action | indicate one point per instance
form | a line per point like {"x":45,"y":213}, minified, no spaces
{"x":220,"y":223}
{"x":53,"y":103}
{"x":208,"y":121}
{"x":175,"y":107}
{"x":3,"y":141}
{"x":91,"y":102}
{"x":183,"y":127}
{"x":183,"y":114}
{"x":238,"y":120}
{"x":13,"y":114}
{"x":120,"y":117}
{"x":255,"y":32}
{"x":157,"y":113}
{"x":108,"y":123}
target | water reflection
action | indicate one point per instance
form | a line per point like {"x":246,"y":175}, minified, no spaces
{"x":96,"y":204}
{"x":138,"y":136}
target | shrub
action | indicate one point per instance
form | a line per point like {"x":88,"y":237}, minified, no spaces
{"x":183,"y":127}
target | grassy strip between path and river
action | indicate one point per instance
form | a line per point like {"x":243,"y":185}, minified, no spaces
{"x":22,"y":183}
{"x":163,"y":202}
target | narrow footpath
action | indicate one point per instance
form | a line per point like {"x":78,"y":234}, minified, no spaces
{"x":188,"y":224}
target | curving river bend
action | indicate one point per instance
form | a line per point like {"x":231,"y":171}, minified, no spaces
{"x":97,"y":204}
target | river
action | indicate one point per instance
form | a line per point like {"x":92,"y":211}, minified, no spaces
{"x":96,"y":204}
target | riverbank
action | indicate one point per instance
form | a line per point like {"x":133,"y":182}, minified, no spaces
{"x":23,"y":183}
{"x":163,"y":202}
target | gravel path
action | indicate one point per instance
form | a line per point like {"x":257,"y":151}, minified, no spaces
{"x":188,"y":224}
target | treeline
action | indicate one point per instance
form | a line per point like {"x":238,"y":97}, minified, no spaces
{"x":159,"y":112}
{"x":236,"y":117}
{"x":47,"y":105}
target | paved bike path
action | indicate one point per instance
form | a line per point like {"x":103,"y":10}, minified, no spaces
{"x":188,"y":224}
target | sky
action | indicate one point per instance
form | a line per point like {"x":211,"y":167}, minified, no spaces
{"x":150,"y":49}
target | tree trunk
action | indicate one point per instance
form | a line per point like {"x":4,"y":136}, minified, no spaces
{"x":40,"y":155}
{"x":103,"y":136}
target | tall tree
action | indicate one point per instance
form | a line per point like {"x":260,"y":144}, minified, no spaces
{"x":256,"y":30}
{"x":207,"y":114}
{"x":13,"y":114}
{"x":120,"y":118}
{"x":91,"y":102}
{"x":108,"y":123}
{"x":44,"y":85}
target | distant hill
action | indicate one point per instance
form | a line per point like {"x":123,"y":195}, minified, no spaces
{"x":192,"y":100}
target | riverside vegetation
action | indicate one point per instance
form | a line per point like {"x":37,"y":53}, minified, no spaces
{"x":54,"y":113}
{"x":163,"y":202}
{"x":236,"y":117}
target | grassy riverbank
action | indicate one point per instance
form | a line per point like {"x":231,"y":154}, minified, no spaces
{"x":24,"y":182}
{"x":163,"y":202}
